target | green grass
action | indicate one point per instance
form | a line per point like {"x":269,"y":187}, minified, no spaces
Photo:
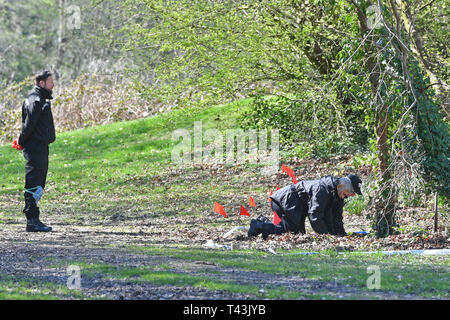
{"x":17,"y":288}
{"x":355,"y":205}
{"x":103,"y":169}
{"x":163,"y":277}
{"x":415,"y":275}
{"x":104,"y":157}
{"x":426,"y":276}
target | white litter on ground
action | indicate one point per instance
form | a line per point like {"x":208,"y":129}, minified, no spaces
{"x":212,"y":244}
{"x":229,"y":233}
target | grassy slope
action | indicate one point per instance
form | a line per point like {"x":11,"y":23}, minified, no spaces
{"x":99,"y":172}
{"x":113,"y":166}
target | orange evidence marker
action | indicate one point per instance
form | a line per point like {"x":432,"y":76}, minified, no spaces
{"x":276,"y":218}
{"x":271,"y":193}
{"x":219,"y":209}
{"x":244,"y":211}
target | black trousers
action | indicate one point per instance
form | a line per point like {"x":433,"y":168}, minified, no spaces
{"x":293,"y":221}
{"x":36,"y":167}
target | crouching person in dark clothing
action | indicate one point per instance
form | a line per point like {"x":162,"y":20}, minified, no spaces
{"x":38,"y":131}
{"x":322,"y":201}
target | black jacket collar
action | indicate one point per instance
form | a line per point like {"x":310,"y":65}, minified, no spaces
{"x":43,"y":93}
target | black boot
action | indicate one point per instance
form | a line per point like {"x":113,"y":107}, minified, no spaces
{"x":256,"y":226}
{"x":31,"y":211}
{"x":35,"y":225}
{"x":264,"y":226}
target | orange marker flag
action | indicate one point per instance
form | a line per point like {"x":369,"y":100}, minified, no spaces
{"x":271,"y":193}
{"x":290,"y":173}
{"x":219,"y":209}
{"x":278,"y":187}
{"x":276,"y":218}
{"x":285,"y":168}
{"x":244,"y":211}
{"x":294,"y":181}
{"x":251,"y":202}
{"x":15,"y":145}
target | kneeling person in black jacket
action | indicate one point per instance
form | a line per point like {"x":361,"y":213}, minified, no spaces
{"x":322,"y":201}
{"x":38,"y":131}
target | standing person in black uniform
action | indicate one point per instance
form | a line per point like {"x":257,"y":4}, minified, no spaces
{"x":322,"y":201}
{"x":38,"y":131}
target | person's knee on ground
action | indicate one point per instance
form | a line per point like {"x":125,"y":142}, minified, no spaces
{"x":269,"y":228}
{"x":319,"y":226}
{"x":302,"y":228}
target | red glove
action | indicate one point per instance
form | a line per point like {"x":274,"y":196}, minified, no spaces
{"x":17,"y":146}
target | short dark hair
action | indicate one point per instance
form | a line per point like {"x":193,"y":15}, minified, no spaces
{"x":42,"y":76}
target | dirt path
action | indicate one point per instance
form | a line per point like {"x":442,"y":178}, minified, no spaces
{"x":44,"y":258}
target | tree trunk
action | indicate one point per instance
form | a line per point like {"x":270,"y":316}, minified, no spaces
{"x":60,"y":53}
{"x":384,"y":202}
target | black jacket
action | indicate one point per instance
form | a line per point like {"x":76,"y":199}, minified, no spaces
{"x":37,"y":118}
{"x":318,"y":200}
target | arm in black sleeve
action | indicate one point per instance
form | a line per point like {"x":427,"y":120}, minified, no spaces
{"x":338,"y":220}
{"x":319,"y":226}
{"x":33,"y":112}
{"x":52,"y":130}
{"x":317,"y":205}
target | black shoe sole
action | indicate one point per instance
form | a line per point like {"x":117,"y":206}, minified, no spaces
{"x":33,"y":229}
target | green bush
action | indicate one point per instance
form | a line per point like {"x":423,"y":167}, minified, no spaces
{"x":307,"y":129}
{"x":355,"y":205}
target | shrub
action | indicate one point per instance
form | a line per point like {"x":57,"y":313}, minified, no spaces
{"x":310,"y":128}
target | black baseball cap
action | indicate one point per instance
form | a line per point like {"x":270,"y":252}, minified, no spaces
{"x":356,"y":181}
